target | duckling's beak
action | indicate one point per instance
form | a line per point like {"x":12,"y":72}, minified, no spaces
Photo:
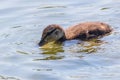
{"x":41,"y":43}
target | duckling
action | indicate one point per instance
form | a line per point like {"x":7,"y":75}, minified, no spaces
{"x":82,"y":31}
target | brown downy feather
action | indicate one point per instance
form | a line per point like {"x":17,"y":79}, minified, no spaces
{"x":87,"y":30}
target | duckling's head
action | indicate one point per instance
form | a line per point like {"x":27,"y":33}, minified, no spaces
{"x":51,"y":33}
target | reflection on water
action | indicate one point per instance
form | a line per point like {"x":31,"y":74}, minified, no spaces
{"x":105,"y":8}
{"x":90,"y":46}
{"x":50,"y":57}
{"x":52,"y":48}
{"x":8,"y":78}
{"x":22,"y":52}
{"x":48,"y":69}
{"x":45,"y":7}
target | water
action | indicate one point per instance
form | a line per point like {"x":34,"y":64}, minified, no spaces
{"x":22,"y":22}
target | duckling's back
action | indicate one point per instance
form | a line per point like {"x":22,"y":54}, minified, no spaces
{"x":87,"y":30}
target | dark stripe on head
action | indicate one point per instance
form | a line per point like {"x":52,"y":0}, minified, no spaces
{"x":49,"y":33}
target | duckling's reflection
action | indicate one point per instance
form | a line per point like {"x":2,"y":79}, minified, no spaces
{"x":90,"y":46}
{"x":52,"y":48}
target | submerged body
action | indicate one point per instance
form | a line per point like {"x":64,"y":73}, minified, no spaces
{"x":82,"y":31}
